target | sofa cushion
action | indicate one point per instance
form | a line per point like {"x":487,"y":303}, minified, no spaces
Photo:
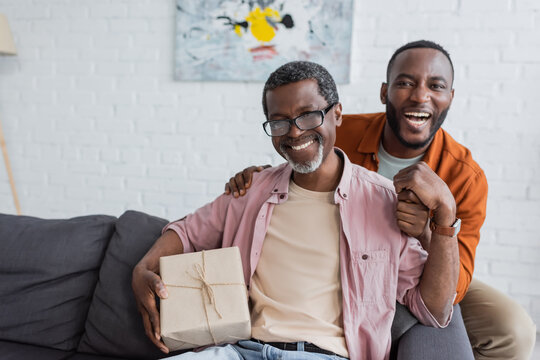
{"x":48,"y":272}
{"x":17,"y":351}
{"x":83,"y":356}
{"x":114,"y":326}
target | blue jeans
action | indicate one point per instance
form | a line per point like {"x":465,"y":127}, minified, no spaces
{"x":251,"y":350}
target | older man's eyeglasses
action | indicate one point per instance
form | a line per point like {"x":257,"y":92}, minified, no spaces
{"x":307,"y":121}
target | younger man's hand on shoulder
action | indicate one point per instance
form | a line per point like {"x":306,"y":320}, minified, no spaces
{"x":239,"y":183}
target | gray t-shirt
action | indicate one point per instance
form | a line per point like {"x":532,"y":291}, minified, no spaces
{"x":390,"y":165}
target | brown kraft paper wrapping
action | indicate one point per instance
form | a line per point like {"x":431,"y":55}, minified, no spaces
{"x":207,"y":303}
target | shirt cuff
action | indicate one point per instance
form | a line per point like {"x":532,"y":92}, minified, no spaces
{"x":174,"y":226}
{"x":431,"y":320}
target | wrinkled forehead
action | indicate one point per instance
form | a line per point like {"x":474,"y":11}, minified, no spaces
{"x":294,"y":96}
{"x":423,"y":63}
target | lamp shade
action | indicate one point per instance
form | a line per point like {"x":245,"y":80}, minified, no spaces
{"x":7,"y":46}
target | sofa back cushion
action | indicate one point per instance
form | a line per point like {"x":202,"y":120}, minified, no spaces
{"x":114,"y":326}
{"x":48,"y":273}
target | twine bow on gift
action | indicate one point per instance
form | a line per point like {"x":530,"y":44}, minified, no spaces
{"x":206,"y":288}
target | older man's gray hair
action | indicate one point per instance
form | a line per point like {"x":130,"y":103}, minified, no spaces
{"x":295,"y":71}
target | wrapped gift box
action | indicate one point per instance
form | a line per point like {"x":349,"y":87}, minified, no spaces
{"x":208,"y":301}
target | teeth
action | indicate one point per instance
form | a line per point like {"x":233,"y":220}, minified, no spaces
{"x":303,"y":146}
{"x":418,"y":114}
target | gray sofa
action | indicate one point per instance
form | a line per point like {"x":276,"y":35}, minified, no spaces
{"x":65,"y":287}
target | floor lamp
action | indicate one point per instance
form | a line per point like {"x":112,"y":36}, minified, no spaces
{"x":7,"y":47}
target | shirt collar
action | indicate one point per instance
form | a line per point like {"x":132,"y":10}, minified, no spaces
{"x":342,"y":190}
{"x":434,"y":152}
{"x":373,"y":135}
{"x":281,"y":187}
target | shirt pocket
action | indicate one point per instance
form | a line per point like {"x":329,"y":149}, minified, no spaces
{"x":372,"y":268}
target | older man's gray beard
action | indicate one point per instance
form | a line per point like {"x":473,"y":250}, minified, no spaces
{"x":308,"y":167}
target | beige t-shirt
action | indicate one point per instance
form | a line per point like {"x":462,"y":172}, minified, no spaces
{"x":296,"y":288}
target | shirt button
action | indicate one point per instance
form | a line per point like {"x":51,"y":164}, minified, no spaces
{"x":282,"y":196}
{"x":275,"y":190}
{"x":345,"y":196}
{"x":365,"y":256}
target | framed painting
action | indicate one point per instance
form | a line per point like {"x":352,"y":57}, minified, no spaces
{"x":245,"y":40}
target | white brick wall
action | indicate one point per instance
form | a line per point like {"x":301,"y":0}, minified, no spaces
{"x":95,"y":123}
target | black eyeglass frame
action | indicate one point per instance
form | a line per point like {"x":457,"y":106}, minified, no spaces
{"x":323,"y":113}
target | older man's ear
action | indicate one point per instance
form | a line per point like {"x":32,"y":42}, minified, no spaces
{"x":338,"y":109}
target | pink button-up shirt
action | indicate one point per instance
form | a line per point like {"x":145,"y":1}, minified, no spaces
{"x":378,"y":263}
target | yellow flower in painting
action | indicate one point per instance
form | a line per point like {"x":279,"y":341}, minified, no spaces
{"x":260,"y":27}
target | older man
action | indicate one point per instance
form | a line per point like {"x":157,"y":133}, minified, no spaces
{"x":322,"y":253}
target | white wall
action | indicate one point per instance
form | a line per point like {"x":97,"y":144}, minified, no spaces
{"x":95,"y":124}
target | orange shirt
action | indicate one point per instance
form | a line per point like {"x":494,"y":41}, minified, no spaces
{"x":360,"y":135}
